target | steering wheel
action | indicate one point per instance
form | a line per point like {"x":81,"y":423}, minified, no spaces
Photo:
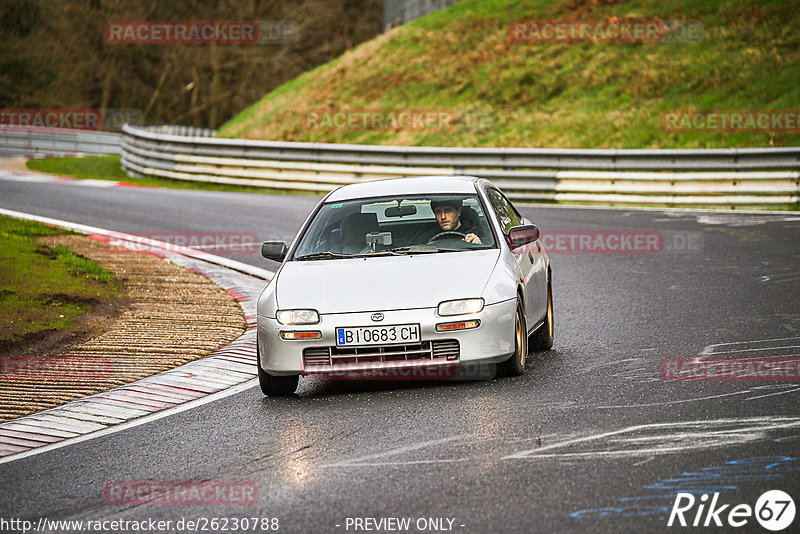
{"x":447,"y":234}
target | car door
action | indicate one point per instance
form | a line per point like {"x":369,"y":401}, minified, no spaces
{"x":529,"y":258}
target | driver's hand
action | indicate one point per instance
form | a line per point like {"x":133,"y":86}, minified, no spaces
{"x":472,"y":238}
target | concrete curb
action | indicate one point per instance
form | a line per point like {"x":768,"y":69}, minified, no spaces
{"x":227,"y":371}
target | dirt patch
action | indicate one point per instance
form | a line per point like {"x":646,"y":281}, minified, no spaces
{"x":168,"y":316}
{"x":101,"y":318}
{"x":14,"y":165}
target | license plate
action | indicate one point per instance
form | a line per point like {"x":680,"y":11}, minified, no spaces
{"x":377,"y":335}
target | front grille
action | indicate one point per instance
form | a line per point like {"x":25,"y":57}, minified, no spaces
{"x":314,"y":357}
{"x":448,"y":349}
{"x":329,"y":357}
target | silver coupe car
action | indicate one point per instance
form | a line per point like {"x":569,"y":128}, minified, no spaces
{"x":412,"y":276}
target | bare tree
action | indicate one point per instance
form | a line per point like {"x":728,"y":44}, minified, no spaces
{"x":54,"y":55}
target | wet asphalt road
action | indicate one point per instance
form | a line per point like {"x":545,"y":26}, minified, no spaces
{"x":590,"y":439}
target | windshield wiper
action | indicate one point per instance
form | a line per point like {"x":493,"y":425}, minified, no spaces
{"x":415,"y":249}
{"x":445,"y":249}
{"x":392,"y":252}
{"x":423,"y":249}
{"x":400,"y":251}
{"x":324,"y":256}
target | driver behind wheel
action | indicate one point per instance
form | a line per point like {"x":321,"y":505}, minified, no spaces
{"x":448,"y":215}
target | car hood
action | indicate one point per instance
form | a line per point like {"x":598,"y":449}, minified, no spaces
{"x":384,"y":282}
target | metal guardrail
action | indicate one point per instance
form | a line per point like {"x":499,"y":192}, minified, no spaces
{"x":751,"y":176}
{"x":398,"y":12}
{"x":34,"y":141}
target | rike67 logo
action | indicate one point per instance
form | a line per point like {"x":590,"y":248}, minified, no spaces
{"x":774,"y":511}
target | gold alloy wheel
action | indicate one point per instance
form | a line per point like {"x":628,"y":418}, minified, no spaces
{"x":550,"y":311}
{"x":522,"y":337}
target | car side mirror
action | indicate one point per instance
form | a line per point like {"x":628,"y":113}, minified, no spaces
{"x":520,"y":236}
{"x":274,"y":250}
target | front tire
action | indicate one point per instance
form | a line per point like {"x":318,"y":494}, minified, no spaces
{"x":275,"y":386}
{"x":515,"y":365}
{"x":543,"y":338}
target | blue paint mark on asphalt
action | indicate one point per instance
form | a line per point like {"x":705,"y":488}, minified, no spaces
{"x":707,"y":480}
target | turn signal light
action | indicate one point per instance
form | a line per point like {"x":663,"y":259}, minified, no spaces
{"x":293,"y":336}
{"x":462,"y":325}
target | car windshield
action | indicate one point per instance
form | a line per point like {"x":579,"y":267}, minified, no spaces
{"x":396,"y":225}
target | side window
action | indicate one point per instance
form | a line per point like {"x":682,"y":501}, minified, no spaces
{"x":506,"y":213}
{"x":516,"y":217}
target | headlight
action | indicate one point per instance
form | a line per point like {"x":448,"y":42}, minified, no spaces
{"x":297,"y":316}
{"x":460,"y":307}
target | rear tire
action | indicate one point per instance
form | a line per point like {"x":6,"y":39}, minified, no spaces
{"x":515,"y":365}
{"x":543,"y":338}
{"x":275,"y":386}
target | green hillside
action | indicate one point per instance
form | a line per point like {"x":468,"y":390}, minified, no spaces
{"x":494,"y":92}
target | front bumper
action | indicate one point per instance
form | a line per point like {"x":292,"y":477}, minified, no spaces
{"x":492,"y":341}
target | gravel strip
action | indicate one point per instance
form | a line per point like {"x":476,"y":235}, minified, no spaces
{"x":173,"y":316}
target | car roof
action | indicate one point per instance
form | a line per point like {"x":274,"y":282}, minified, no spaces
{"x":405,"y":186}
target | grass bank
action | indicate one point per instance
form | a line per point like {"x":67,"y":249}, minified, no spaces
{"x":44,"y":289}
{"x":547,"y":94}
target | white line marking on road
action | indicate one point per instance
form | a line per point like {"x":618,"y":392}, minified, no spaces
{"x":667,"y":403}
{"x":690,"y":435}
{"x":93,"y":182}
{"x":399,"y":450}
{"x":710,"y":348}
{"x":136,"y":422}
{"x":697,"y":435}
{"x":773,"y":394}
{"x":527,"y":453}
{"x":755,"y":350}
{"x":409,"y":462}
